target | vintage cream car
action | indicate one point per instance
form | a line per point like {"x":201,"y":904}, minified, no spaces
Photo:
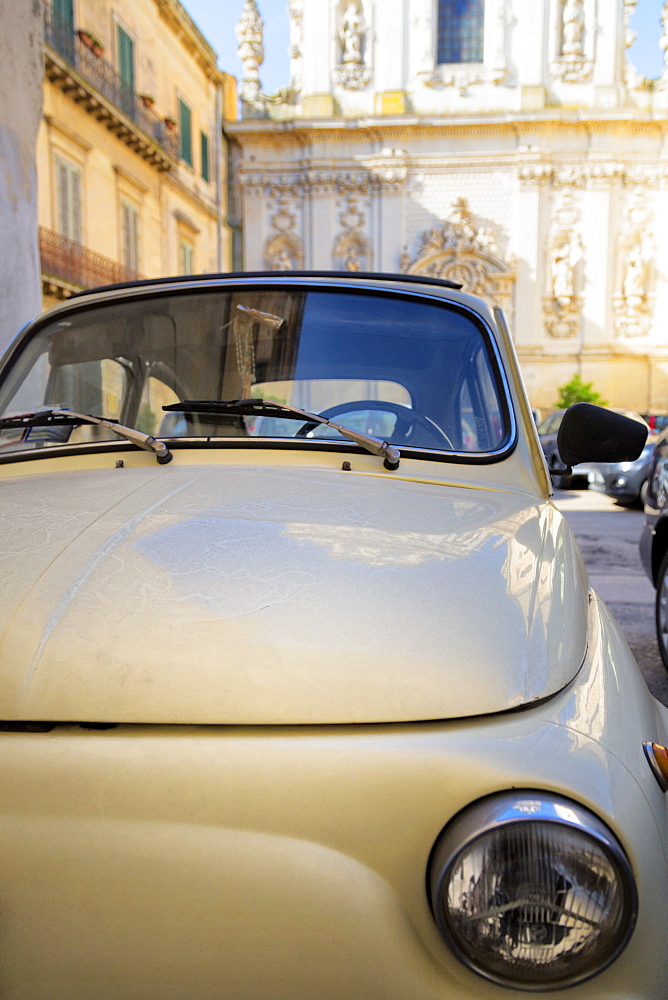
{"x":304,"y":691}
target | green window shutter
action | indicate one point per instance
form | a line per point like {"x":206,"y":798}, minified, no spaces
{"x":68,"y":179}
{"x":126,"y":58}
{"x":64,"y":10}
{"x":205,"y":156}
{"x":185,"y":138}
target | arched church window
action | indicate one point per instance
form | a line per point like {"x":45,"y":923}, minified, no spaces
{"x":460,"y":30}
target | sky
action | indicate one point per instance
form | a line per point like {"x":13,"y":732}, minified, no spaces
{"x":217,"y":21}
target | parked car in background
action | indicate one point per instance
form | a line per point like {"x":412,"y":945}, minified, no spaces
{"x":654,"y":538}
{"x":657,"y":422}
{"x":580,"y":476}
{"x":304,"y":690}
{"x":625,"y":482}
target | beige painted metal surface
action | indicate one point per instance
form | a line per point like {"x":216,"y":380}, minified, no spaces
{"x":269,"y":594}
{"x":271,"y":682}
{"x":250,"y":862}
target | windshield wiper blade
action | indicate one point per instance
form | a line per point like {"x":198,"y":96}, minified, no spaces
{"x":54,"y":416}
{"x":265,"y":408}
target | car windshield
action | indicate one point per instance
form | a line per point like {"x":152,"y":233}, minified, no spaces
{"x":415,"y":371}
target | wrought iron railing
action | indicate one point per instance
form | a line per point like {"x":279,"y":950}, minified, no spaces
{"x":70,"y":262}
{"x":63,"y":39}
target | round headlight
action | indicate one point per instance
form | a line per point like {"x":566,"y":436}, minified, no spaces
{"x":532,"y":891}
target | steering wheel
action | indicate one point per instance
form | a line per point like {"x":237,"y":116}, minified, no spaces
{"x":411,"y":429}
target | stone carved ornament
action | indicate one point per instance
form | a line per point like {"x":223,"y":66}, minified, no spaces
{"x":352,"y":248}
{"x":352,"y":73}
{"x":296,"y":14}
{"x":284,"y":252}
{"x":250,"y":52}
{"x":632,"y":304}
{"x":572,"y":64}
{"x":563,"y":302}
{"x":284,"y":249}
{"x":469,"y":255}
{"x":631,"y":77}
{"x":249,"y":31}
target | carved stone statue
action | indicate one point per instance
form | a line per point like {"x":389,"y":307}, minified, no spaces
{"x":282,"y":261}
{"x":561,"y":271}
{"x":573,"y":33}
{"x":351,"y":34}
{"x":633,"y":286}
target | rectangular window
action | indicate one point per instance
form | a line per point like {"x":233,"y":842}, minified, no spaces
{"x":185,"y":137}
{"x":460,"y":31}
{"x":204,"y":147}
{"x":68,"y":182}
{"x":129,"y":236}
{"x":186,"y":258}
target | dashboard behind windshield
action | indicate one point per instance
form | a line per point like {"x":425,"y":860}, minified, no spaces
{"x":416,"y":371}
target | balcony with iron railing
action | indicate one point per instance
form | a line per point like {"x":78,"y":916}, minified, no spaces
{"x":70,"y":267}
{"x":94,"y":84}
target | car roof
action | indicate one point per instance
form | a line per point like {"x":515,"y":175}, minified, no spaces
{"x":180,"y":279}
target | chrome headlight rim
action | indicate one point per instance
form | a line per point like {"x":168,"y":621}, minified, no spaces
{"x":503,"y":809}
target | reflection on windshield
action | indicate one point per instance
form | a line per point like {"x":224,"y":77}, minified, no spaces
{"x":414,"y":371}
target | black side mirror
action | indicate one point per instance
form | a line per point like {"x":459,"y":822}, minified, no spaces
{"x":589,"y":433}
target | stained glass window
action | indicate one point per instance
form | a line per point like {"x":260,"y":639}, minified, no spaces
{"x":460,"y":30}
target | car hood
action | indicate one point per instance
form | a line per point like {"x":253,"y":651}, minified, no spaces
{"x":253,"y":595}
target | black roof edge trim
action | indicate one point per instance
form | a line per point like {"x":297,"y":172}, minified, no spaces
{"x":178,"y":279}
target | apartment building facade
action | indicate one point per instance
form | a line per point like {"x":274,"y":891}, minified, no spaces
{"x":131,"y":161}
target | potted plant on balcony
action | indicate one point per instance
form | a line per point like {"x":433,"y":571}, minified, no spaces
{"x":91,"y":41}
{"x":170,"y":124}
{"x":147,"y":100}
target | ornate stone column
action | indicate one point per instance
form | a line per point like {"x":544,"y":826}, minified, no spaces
{"x":319,"y":222}
{"x":389,"y":172}
{"x":253,"y":186}
{"x":603,"y":182}
{"x":534,"y":180}
{"x":251,"y":54}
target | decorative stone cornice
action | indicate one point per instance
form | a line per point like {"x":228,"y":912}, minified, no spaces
{"x":535,"y":174}
{"x":604,"y":174}
{"x":354,"y":182}
{"x":573,"y":175}
{"x":642,"y":175}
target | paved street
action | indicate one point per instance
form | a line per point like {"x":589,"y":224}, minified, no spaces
{"x":608,"y":537}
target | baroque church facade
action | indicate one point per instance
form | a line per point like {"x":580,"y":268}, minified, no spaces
{"x":508,"y":145}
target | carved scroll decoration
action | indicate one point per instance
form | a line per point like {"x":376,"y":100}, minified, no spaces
{"x":459,"y":251}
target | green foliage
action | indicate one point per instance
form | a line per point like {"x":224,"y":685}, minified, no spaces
{"x":577,"y":391}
